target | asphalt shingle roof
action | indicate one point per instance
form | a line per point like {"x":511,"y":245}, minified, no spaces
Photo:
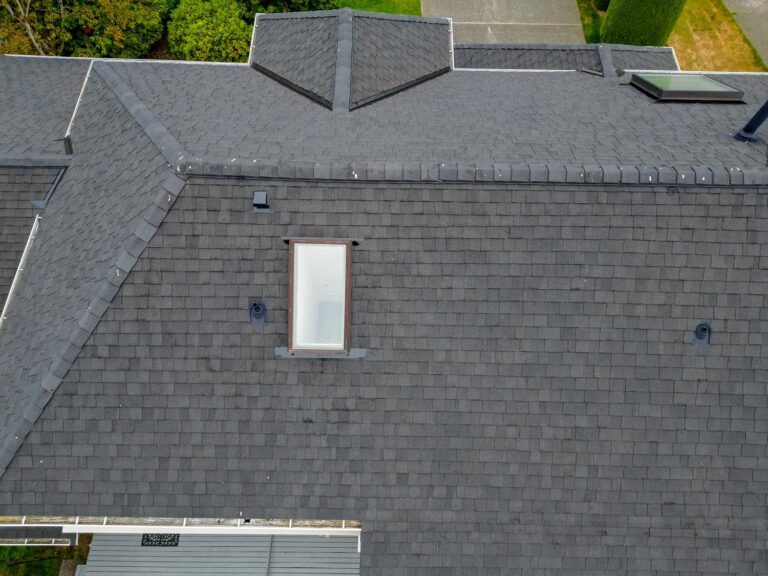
{"x":517,"y":117}
{"x":527,"y":56}
{"x":531,"y":397}
{"x":300,"y":51}
{"x":563,"y":57}
{"x":390,"y":53}
{"x":38,"y":96}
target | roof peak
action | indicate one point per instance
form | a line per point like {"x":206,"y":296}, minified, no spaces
{"x":344,"y":59}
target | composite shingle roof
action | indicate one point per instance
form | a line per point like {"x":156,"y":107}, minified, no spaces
{"x":526,"y":287}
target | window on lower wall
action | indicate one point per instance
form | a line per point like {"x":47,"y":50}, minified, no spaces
{"x":320,"y":294}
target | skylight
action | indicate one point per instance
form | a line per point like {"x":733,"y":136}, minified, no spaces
{"x":686,"y":88}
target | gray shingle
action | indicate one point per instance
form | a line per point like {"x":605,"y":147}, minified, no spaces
{"x":531,"y":397}
{"x":527,"y":56}
{"x":38,"y":96}
{"x":391,"y":53}
{"x":300,"y":51}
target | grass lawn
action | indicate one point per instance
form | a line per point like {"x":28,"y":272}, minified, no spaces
{"x":706,"y":37}
{"x":412,"y":7}
{"x":39,"y":560}
{"x":591,"y":19}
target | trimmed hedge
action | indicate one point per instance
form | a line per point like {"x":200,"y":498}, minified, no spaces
{"x":640,"y":22}
{"x":602,"y":5}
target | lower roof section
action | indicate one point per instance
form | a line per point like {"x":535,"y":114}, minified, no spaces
{"x":209,"y":555}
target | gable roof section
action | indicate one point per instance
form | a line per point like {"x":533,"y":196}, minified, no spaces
{"x":390,"y":53}
{"x":604,"y":58}
{"x":344,"y":59}
{"x":105,"y":210}
{"x":644,"y":58}
{"x":527,"y":56}
{"x":298,"y":50}
{"x":37,"y":95}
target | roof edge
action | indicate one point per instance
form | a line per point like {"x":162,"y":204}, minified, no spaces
{"x":467,"y":172}
{"x":31,"y":161}
{"x":127,"y":256}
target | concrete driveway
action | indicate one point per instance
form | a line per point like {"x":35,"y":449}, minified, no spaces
{"x":752,"y":16}
{"x":510,"y":21}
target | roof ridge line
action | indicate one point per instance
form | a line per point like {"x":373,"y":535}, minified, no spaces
{"x":342,"y":97}
{"x":34,"y":161}
{"x":476,"y":172}
{"x":155,"y":130}
{"x":127,"y":256}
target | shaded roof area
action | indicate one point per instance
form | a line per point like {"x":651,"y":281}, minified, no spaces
{"x":564,"y":57}
{"x":299,"y":50}
{"x":561,"y":118}
{"x":20,"y":186}
{"x":527,"y":56}
{"x":37,"y":96}
{"x":113,"y":178}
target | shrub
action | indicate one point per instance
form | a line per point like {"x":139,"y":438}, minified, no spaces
{"x":115,"y":28}
{"x":209,"y":30}
{"x":602,"y":5}
{"x":640,"y":22}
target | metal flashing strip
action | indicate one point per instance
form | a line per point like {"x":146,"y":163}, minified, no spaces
{"x":674,"y":55}
{"x":450,"y":30}
{"x":129,"y":60}
{"x":43,"y":204}
{"x":68,"y":133}
{"x":253,"y":38}
{"x":513,"y":70}
{"x":19,"y":269}
{"x":695,"y":72}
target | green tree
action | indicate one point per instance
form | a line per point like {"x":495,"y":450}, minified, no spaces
{"x":209,"y":30}
{"x":640,"y":22}
{"x":116,"y":28}
{"x":112,"y":28}
{"x":40,"y":22}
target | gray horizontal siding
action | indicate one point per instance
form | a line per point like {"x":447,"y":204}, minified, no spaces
{"x":118,"y":555}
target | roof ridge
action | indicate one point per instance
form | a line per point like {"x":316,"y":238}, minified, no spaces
{"x":477,"y":172}
{"x":168,"y":146}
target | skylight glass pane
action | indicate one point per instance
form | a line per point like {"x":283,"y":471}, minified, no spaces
{"x":319,"y":292}
{"x":685,"y":82}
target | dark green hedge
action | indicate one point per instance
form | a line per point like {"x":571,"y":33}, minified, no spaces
{"x":602,"y":4}
{"x":640,"y":22}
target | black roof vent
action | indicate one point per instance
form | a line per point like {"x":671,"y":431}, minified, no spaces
{"x":747,"y":134}
{"x":702,"y":333}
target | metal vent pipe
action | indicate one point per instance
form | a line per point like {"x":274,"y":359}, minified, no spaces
{"x":747,"y":134}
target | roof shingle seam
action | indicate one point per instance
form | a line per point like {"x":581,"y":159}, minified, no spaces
{"x":128,"y":255}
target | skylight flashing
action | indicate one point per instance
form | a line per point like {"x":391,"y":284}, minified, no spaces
{"x":674,"y":87}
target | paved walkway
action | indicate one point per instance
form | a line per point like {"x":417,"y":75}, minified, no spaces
{"x":510,"y":21}
{"x":752,"y":16}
